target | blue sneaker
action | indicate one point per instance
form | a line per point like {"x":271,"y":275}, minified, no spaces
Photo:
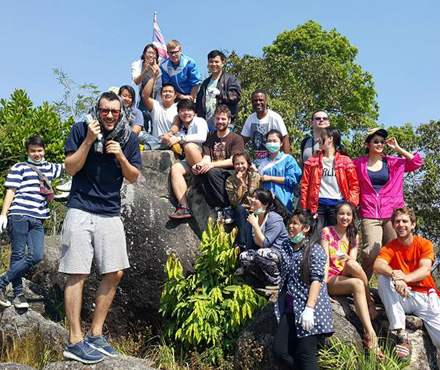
{"x":82,"y":352}
{"x":100,"y":343}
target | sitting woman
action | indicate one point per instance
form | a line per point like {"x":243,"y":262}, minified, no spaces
{"x":279,"y":172}
{"x":344,"y":275}
{"x":239,"y":187}
{"x":136,"y":119}
{"x":303,"y":310}
{"x":265,"y":233}
{"x":329,"y":178}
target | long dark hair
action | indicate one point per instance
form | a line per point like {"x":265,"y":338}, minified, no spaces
{"x":352,"y":231}
{"x":272,"y":203}
{"x":306,"y":218}
{"x":336,"y":135}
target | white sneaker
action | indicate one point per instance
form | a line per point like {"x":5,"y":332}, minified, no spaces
{"x":62,"y":196}
{"x":65,"y":187}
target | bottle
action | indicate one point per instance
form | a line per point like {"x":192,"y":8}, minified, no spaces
{"x":433,"y":301}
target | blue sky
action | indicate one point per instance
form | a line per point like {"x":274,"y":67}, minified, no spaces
{"x":96,"y":41}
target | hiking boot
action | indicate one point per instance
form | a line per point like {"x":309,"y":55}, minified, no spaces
{"x":181,"y":213}
{"x":3,"y":301}
{"x":228,"y":215}
{"x":82,"y":352}
{"x":402,"y":348}
{"x":100,"y":343}
{"x":20,"y":301}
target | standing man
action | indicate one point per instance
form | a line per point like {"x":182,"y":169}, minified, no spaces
{"x":404,"y":268}
{"x":98,"y":156}
{"x":216,"y":166}
{"x":181,"y":71}
{"x":259,"y":123}
{"x":310,"y":145}
{"x":219,"y":88}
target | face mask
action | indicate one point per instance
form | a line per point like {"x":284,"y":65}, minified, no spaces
{"x":273,"y":147}
{"x":298,"y":238}
{"x":259,"y":211}
{"x":30,"y":160}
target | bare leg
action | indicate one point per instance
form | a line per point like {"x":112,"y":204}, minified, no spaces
{"x":73,"y":303}
{"x":178,"y":183}
{"x":104,"y":298}
{"x":342,"y":285}
{"x":192,"y":153}
{"x":355,"y":270}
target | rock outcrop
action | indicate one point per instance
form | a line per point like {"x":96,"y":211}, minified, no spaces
{"x":11,"y":366}
{"x":120,"y":363}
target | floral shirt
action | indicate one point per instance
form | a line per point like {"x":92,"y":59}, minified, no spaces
{"x":335,"y":244}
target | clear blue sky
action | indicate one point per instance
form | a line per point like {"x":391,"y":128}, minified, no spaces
{"x":96,"y":41}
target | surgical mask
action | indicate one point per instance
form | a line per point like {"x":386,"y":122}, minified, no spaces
{"x":273,"y":147}
{"x":30,"y":160}
{"x":298,"y":238}
{"x":259,"y":211}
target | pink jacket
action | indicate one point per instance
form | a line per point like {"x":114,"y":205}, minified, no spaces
{"x":381,"y":205}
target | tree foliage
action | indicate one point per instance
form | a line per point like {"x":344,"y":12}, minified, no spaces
{"x":305,"y":69}
{"x":207,"y":309}
{"x":19,"y":119}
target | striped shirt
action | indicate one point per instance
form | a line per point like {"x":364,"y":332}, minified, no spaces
{"x":28,"y":200}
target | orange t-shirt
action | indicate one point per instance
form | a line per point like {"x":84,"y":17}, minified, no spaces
{"x":407,"y":259}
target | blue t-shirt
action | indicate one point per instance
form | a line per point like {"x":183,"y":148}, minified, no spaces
{"x":96,"y":187}
{"x":381,"y":177}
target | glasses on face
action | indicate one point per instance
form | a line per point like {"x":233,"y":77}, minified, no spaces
{"x":381,"y":142}
{"x":321,"y":118}
{"x":150,"y":53}
{"x":175,"y":52}
{"x":105,"y":112}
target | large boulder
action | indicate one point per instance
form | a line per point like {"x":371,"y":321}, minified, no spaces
{"x":255,"y":342}
{"x":151,"y":238}
{"x":119,"y":363}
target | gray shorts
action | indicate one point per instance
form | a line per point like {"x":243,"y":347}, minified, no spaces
{"x":85,"y":235}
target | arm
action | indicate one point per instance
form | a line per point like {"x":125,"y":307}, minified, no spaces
{"x":129,"y":171}
{"x":74,"y":162}
{"x":146,"y":93}
{"x":136,"y":129}
{"x":353,"y":184}
{"x":9,"y":197}
{"x":421,"y":273}
{"x":278,"y":180}
{"x":314,"y":289}
{"x":324,"y":243}
{"x":305,"y":185}
{"x":233,"y":93}
{"x":193,"y":93}
{"x":138,"y":76}
{"x":233,"y":192}
{"x":285,"y":146}
{"x":381,"y":267}
{"x":259,"y":237}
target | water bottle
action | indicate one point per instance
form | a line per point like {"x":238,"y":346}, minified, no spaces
{"x":433,"y":301}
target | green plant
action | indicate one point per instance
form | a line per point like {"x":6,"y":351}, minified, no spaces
{"x":207,"y":309}
{"x":340,"y":355}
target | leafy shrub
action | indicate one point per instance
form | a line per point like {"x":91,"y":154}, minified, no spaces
{"x":207,"y":309}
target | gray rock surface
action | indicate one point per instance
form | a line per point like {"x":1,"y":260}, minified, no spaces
{"x":254,"y":345}
{"x":151,"y":238}
{"x":17,"y":323}
{"x":11,"y":366}
{"x":121,"y":363}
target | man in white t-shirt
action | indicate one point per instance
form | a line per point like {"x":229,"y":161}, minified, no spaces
{"x":162,"y":114}
{"x":259,"y":123}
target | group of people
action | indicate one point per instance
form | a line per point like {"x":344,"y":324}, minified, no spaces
{"x":305,"y":252}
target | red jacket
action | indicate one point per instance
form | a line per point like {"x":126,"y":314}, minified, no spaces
{"x":311,"y":180}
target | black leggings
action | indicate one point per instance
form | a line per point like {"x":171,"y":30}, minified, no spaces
{"x":296,"y":353}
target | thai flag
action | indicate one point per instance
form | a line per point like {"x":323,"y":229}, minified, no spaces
{"x":158,"y":39}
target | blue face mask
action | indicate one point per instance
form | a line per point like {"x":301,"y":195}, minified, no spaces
{"x":298,"y":238}
{"x":30,"y":160}
{"x":259,"y":211}
{"x":273,"y":147}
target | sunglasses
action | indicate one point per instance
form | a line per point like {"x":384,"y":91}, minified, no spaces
{"x":321,"y":118}
{"x":105,"y":112}
{"x":173,"y":52}
{"x":378,"y":141}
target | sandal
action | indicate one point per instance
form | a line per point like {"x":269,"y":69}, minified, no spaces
{"x":371,"y":342}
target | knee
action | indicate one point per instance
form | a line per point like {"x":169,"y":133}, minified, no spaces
{"x":354,"y":267}
{"x":358,"y":286}
{"x":115,"y":277}
{"x":190,"y":147}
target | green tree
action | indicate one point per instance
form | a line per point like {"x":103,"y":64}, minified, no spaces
{"x":305,"y":69}
{"x":19,"y":119}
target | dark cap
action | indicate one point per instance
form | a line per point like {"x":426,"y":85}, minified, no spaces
{"x":376,"y":131}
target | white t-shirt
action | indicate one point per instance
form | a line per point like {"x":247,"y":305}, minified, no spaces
{"x":257,"y":129}
{"x":329,"y":184}
{"x":162,"y":118}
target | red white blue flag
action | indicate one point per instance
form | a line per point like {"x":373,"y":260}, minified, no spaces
{"x":158,"y":39}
